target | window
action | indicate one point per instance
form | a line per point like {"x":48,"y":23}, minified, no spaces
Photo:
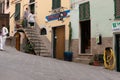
{"x":56,"y":4}
{"x":43,"y":31}
{"x":84,"y":11}
{"x":32,"y":6}
{"x":7,"y":3}
{"x":0,"y":7}
{"x":32,"y":1}
{"x":117,"y":9}
{"x":17,"y":11}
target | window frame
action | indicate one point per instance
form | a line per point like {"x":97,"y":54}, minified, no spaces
{"x":85,"y":12}
{"x":56,"y":4}
{"x":17,"y":11}
{"x":115,"y":12}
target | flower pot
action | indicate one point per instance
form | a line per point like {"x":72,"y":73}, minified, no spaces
{"x":96,"y":63}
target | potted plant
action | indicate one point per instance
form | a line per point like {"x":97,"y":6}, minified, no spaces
{"x":29,"y":48}
{"x":69,"y":54}
{"x":96,"y":60}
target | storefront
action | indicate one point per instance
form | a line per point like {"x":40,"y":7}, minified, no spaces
{"x":116,"y":33}
{"x":59,"y":23}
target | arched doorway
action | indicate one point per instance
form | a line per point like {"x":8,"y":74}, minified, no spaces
{"x":43,"y":31}
{"x":17,"y":45}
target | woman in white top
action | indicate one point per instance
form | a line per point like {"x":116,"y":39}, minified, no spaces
{"x":4,"y":33}
{"x":31,"y":19}
{"x":0,"y":39}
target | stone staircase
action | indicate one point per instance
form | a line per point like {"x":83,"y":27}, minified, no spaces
{"x":39,"y":42}
{"x":83,"y":58}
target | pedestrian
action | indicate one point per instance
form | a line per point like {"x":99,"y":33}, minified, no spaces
{"x":0,"y":38}
{"x":25,"y":17}
{"x":31,"y":19}
{"x":4,"y":32}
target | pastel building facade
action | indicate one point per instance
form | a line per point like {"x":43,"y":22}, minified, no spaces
{"x":91,"y":22}
{"x":51,"y":15}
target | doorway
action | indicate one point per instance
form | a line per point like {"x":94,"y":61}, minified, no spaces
{"x":117,"y":51}
{"x":58,"y":42}
{"x":85,"y":30}
{"x":17,"y":36}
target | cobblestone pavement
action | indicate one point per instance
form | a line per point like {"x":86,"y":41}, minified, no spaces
{"x":16,"y":65}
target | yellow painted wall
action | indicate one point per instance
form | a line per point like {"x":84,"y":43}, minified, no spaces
{"x":42,"y":8}
{"x":12,"y":10}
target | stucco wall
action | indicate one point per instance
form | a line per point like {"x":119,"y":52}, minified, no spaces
{"x":102,"y":15}
{"x":24,"y":4}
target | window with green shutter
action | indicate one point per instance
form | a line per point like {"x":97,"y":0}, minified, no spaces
{"x":84,"y":11}
{"x":117,"y":9}
{"x":17,"y":11}
{"x":32,"y":1}
{"x":0,"y":7}
{"x":32,"y":6}
{"x":56,"y":4}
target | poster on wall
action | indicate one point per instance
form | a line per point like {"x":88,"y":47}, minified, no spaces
{"x":116,"y":26}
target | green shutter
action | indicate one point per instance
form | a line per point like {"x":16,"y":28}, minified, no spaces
{"x":84,"y":11}
{"x":17,"y":11}
{"x":32,"y":1}
{"x":56,"y":4}
{"x":117,"y":9}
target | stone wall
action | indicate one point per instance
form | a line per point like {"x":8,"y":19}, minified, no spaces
{"x":10,"y":41}
{"x":106,"y":42}
{"x":75,"y":47}
{"x":95,"y":48}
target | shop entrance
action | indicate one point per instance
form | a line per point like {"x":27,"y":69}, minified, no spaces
{"x":59,"y":42}
{"x":85,"y":36}
{"x":117,"y":51}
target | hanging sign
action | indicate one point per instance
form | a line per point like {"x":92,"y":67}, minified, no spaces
{"x":116,"y":26}
{"x":56,"y":16}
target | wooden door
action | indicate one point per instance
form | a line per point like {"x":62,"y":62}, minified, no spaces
{"x":60,"y":42}
{"x":17,"y":46}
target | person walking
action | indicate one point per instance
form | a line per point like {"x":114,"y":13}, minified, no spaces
{"x":0,"y":39}
{"x":4,"y":32}
{"x":31,"y":19}
{"x":25,"y":17}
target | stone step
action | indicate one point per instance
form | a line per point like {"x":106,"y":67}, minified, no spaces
{"x":83,"y":58}
{"x":39,"y":46}
{"x":45,"y":54}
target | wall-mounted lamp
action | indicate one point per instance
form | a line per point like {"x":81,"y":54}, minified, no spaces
{"x":99,"y":39}
{"x":60,"y":18}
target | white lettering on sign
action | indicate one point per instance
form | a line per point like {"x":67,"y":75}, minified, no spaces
{"x":116,"y":26}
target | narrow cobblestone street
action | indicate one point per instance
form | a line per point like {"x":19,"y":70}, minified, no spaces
{"x":16,"y":65}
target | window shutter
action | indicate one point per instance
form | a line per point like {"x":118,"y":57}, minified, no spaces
{"x":56,"y":4}
{"x":32,"y":1}
{"x":84,"y":11}
{"x":117,"y":9}
{"x":17,"y":11}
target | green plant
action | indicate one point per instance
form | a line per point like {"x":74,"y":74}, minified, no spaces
{"x":96,"y":57}
{"x":93,"y":59}
{"x":29,"y":48}
{"x":70,"y":36}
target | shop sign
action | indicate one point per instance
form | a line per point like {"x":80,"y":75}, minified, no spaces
{"x":56,"y":16}
{"x":116,"y":26}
